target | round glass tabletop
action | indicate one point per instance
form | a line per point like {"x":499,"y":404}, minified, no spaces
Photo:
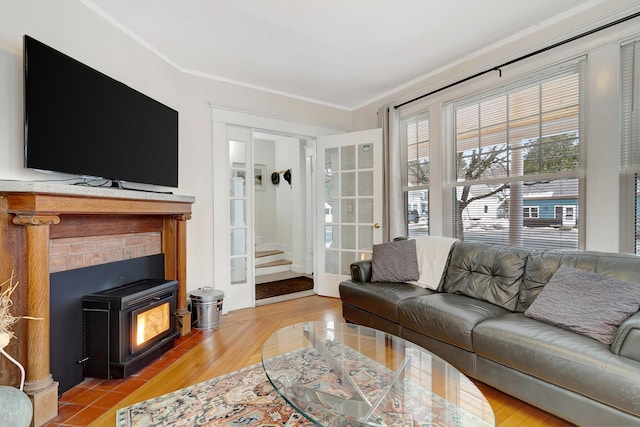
{"x":338,"y":374}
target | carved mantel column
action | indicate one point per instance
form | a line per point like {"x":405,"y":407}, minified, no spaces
{"x":39,"y":384}
{"x":182,"y":313}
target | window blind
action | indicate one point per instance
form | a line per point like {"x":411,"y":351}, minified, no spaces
{"x":514,"y":153}
{"x":414,"y":134}
{"x":630,"y":149}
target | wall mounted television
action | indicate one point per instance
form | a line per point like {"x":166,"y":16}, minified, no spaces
{"x":80,"y":121}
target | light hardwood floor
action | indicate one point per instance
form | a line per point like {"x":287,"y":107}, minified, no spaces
{"x":237,"y":342}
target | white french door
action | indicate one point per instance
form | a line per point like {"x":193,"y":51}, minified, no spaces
{"x":348,"y":204}
{"x":241,"y":185}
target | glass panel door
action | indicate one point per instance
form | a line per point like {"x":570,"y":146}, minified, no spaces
{"x":240,"y":175}
{"x":351,"y":210}
{"x":238,"y":214}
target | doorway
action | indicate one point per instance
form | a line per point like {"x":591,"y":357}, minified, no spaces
{"x":233,"y":205}
{"x":283,"y":216}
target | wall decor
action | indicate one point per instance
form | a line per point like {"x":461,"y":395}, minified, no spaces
{"x":259,"y":174}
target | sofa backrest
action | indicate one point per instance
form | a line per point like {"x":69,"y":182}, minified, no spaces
{"x":486,"y":272}
{"x":542,"y":264}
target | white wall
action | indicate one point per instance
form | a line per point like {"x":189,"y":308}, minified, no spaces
{"x":265,"y":203}
{"x":288,"y":197}
{"x":74,"y":29}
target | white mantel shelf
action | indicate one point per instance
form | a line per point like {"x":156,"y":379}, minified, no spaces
{"x":87,"y":191}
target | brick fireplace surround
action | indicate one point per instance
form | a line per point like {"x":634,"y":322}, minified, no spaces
{"x":52,"y":227}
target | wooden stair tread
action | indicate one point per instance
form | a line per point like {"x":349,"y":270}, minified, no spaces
{"x":262,"y":254}
{"x":274,"y":263}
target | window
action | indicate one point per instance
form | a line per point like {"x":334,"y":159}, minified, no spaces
{"x":516,"y":150}
{"x":414,"y":134}
{"x":630,"y":150}
{"x":568,"y":212}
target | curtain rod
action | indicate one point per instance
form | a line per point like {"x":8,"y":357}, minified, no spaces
{"x":498,"y":68}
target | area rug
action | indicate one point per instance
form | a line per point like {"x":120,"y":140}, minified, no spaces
{"x":241,"y":398}
{"x":247,"y":398}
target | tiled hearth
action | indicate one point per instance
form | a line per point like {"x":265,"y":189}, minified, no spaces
{"x":87,"y":401}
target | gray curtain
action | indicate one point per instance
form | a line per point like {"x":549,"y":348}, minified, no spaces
{"x":394,"y":223}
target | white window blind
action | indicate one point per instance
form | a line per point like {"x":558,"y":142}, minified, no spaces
{"x":630,"y":150}
{"x":414,"y":134}
{"x":515,"y":153}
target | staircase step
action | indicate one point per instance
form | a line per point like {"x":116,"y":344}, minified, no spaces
{"x":273,"y":267}
{"x":274,"y":263}
{"x":262,"y":254}
{"x":267,"y":257}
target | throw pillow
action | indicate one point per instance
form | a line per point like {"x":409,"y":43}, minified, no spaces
{"x":394,"y":262}
{"x":585,"y":302}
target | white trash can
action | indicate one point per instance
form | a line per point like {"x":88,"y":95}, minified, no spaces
{"x":206,"y":307}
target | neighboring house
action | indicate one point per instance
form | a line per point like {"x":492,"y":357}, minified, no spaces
{"x":546,"y":204}
{"x":551,"y":201}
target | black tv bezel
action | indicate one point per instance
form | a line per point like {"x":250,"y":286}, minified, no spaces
{"x":141,"y":175}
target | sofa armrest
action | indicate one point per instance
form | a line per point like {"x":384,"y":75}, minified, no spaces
{"x":361,"y":271}
{"x":626,"y":343}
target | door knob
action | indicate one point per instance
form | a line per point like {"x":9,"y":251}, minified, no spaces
{"x":376,"y":225}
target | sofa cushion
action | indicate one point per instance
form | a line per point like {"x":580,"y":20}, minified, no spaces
{"x":394,"y":261}
{"x":381,"y":298}
{"x":489,"y":273}
{"x":447,"y":317}
{"x":561,"y":357}
{"x":586,"y":303}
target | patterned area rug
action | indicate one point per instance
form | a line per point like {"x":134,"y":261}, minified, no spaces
{"x":247,"y":398}
{"x":241,"y":398}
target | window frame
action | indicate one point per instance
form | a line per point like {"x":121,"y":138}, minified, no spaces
{"x":488,"y":93}
{"x":412,"y":203}
{"x":527,"y":211}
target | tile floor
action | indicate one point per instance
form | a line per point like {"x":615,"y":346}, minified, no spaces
{"x":84,"y":403}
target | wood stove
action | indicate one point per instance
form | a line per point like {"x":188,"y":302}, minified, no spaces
{"x":125,"y":328}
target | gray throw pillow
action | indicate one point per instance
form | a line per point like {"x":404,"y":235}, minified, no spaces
{"x":395,"y":262}
{"x":586,"y":303}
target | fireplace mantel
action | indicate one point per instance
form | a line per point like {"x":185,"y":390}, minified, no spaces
{"x":32,"y":213}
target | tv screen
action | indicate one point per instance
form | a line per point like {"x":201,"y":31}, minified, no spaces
{"x":80,"y":121}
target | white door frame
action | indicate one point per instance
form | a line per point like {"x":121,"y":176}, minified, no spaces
{"x":221,"y":117}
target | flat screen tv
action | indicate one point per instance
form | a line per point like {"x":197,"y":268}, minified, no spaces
{"x":82,"y":122}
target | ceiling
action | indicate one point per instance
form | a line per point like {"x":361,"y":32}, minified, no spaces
{"x":343,"y":53}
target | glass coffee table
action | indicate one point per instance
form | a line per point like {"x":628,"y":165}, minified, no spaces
{"x":338,"y":374}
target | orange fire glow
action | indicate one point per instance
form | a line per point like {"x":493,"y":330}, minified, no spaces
{"x":152,"y":323}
